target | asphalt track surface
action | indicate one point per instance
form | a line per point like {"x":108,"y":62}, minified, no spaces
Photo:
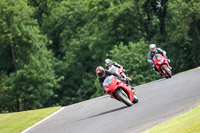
{"x":159,"y":101}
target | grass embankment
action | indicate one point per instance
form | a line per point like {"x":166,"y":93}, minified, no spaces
{"x":188,"y":122}
{"x":19,"y":121}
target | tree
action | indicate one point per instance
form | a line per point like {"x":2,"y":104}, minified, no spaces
{"x":183,"y":31}
{"x":28,"y":75}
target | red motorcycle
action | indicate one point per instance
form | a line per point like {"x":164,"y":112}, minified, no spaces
{"x":119,"y":90}
{"x":162,"y":65}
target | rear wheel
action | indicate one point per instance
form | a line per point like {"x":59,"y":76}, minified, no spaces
{"x":122,"y":96}
{"x":166,"y":71}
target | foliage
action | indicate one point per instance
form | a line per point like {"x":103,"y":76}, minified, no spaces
{"x":183,"y":30}
{"x":30,"y":78}
{"x":50,"y":49}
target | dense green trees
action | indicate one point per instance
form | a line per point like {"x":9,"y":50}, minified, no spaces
{"x":27,"y":74}
{"x":50,"y":49}
{"x":183,"y":30}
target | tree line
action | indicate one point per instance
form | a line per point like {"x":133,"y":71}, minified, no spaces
{"x":51,"y":48}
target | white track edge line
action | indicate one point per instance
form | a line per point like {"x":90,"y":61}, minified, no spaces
{"x":42,"y":120}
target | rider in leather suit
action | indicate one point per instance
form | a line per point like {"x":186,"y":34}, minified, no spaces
{"x":152,"y":52}
{"x":109,"y":64}
{"x":102,"y":74}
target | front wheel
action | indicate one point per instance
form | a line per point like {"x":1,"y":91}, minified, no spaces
{"x":166,"y":70}
{"x":135,"y":100}
{"x":122,"y":96}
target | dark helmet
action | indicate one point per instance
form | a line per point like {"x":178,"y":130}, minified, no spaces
{"x":108,"y":62}
{"x":100,"y":71}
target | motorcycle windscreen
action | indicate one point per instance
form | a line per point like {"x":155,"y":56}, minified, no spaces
{"x":158,"y":59}
{"x":157,"y":56}
{"x":108,"y":81}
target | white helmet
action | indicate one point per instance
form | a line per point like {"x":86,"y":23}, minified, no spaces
{"x":108,"y":62}
{"x":152,"y":47}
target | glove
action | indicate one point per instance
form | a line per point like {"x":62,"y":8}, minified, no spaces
{"x":123,"y":80}
{"x":124,"y":70}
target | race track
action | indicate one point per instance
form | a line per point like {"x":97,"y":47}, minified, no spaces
{"x":159,"y":101}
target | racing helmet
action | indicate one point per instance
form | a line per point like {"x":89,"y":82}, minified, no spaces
{"x":108,"y":62}
{"x":152,"y":47}
{"x":100,"y":71}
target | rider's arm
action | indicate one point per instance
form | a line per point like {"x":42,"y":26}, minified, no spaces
{"x":162,"y":52}
{"x":149,"y":58}
{"x":117,"y":65}
{"x":116,"y":75}
{"x":110,"y":73}
{"x":101,"y":84}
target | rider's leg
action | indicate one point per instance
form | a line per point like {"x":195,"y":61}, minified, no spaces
{"x":154,"y":68}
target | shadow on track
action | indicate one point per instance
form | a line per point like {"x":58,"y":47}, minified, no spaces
{"x":106,"y":112}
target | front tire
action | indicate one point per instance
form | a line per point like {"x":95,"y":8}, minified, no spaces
{"x":122,"y":96}
{"x":166,"y":70}
{"x":135,"y":100}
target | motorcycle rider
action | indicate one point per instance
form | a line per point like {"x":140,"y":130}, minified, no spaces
{"x":109,"y":64}
{"x":102,"y":74}
{"x":152,"y":52}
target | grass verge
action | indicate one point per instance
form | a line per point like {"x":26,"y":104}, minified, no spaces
{"x":188,"y":122}
{"x":19,"y":121}
{"x":188,"y":70}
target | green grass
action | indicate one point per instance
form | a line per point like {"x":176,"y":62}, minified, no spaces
{"x":17,"y":122}
{"x":188,"y":122}
{"x":188,"y":70}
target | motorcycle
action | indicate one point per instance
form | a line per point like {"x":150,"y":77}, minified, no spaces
{"x":119,"y":90}
{"x":162,"y":65}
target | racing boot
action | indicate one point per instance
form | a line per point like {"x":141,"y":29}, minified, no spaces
{"x":133,"y":89}
{"x":156,"y":70}
{"x":158,"y":73}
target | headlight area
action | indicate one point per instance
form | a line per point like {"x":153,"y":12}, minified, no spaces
{"x":160,"y":62}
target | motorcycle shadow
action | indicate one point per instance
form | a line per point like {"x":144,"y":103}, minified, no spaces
{"x":106,"y":112}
